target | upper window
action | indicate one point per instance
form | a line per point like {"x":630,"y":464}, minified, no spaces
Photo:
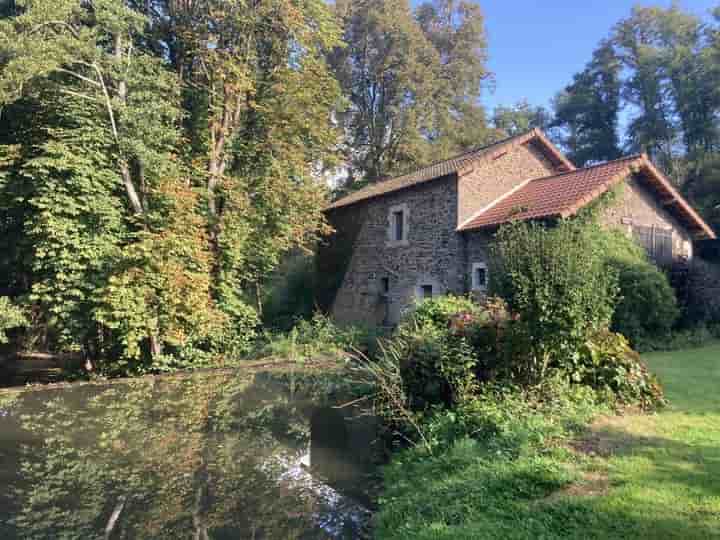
{"x":479,"y":277}
{"x":398,"y":225}
{"x":398,"y":220}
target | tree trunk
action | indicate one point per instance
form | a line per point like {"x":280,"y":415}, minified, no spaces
{"x":156,"y":348}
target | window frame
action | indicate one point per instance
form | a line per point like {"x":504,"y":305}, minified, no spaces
{"x":398,"y":232}
{"x":474,"y":281}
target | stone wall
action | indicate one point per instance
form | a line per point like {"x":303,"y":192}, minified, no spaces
{"x":494,"y":177}
{"x":638,"y":206}
{"x":434,"y":254}
{"x":429,"y":257}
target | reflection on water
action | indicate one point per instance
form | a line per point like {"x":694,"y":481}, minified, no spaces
{"x":211,"y":456}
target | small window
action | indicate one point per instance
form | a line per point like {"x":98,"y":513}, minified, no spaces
{"x":479,"y":277}
{"x":398,"y":225}
{"x":385,"y":285}
{"x":427,"y":291}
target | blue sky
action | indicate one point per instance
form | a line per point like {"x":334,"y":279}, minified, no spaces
{"x":536,"y":46}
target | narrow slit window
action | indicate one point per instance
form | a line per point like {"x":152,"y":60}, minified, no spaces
{"x":427,"y":291}
{"x":398,"y":225}
{"x":385,"y":286}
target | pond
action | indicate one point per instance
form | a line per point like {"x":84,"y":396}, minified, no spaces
{"x":208,"y":456}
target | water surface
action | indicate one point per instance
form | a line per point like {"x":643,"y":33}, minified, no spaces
{"x":211,"y":456}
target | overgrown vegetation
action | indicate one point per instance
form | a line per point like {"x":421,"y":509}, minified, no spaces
{"x":524,"y":464}
{"x":11,"y":317}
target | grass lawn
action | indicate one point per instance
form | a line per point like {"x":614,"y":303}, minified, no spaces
{"x":637,"y":476}
{"x":664,"y":469}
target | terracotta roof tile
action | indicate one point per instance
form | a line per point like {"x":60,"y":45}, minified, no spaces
{"x":551,"y":196}
{"x":447,"y":167}
{"x":565,"y":194}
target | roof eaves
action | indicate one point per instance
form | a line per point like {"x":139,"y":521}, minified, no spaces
{"x":695,"y":217}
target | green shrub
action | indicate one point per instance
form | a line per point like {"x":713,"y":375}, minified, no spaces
{"x":11,"y":317}
{"x":647,"y":305}
{"x":686,"y":338}
{"x":609,"y":364}
{"x":318,"y":336}
{"x":437,"y":360}
{"x":556,"y":281}
{"x":290,"y":295}
{"x":511,"y":420}
{"x":702,"y":304}
{"x":441,"y":311}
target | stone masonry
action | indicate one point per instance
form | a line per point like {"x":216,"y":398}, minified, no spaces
{"x":368,"y":275}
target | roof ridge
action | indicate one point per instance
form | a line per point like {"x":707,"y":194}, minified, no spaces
{"x":631,"y":157}
{"x":457,"y":156}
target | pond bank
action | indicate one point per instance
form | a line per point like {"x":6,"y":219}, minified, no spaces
{"x":44,"y":371}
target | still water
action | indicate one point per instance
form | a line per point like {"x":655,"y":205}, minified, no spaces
{"x":211,"y":456}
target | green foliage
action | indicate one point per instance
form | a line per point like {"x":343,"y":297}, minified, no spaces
{"x":587,"y":110}
{"x":317,"y":339}
{"x":609,"y":364}
{"x":685,"y":338}
{"x":647,"y":305}
{"x":437,"y":361}
{"x":556,"y":281}
{"x":439,"y":312}
{"x":290,"y":293}
{"x":11,"y":317}
{"x":493,"y":461}
{"x":520,"y":118}
{"x":412,"y":81}
{"x":144,"y":200}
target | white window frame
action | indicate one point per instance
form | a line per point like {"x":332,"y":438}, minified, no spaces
{"x":473,"y":276}
{"x":391,"y":236}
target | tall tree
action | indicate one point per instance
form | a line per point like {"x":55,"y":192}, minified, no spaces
{"x":652,"y":129}
{"x":456,"y":30}
{"x":157,"y":158}
{"x":412,"y":82}
{"x":520,"y":118}
{"x":586,"y":111}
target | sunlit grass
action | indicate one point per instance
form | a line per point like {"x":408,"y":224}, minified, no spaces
{"x":642,"y":476}
{"x":665,"y":470}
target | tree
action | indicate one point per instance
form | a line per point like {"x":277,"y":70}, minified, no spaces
{"x":456,"y":30}
{"x":519,"y":118}
{"x":586,"y":111}
{"x":412,"y":83}
{"x":156,"y":161}
{"x":555,"y":279}
{"x":652,"y":130}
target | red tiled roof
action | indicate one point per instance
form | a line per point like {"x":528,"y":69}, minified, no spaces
{"x":452,"y":166}
{"x":563,"y":195}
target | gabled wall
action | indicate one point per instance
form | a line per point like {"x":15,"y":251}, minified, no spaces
{"x":430,"y":256}
{"x":639,"y":206}
{"x":502,"y":172}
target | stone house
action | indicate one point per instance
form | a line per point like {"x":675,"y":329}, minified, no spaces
{"x":427,"y":233}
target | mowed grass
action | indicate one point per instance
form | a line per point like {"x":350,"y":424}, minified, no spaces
{"x":664,"y":469}
{"x":641,"y":476}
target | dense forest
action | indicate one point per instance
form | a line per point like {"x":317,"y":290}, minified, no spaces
{"x":159,"y":159}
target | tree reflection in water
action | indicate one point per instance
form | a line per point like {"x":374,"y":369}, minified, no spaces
{"x":209,"y":456}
